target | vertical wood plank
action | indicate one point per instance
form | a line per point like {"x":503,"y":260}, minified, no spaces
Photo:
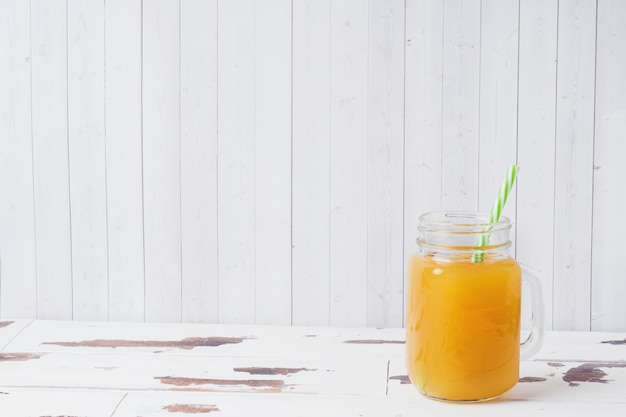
{"x":87,"y":159}
{"x":272,"y":232}
{"x":50,"y":159}
{"x":422,"y":123}
{"x":498,"y":101}
{"x":161,"y":160}
{"x":198,"y":112}
{"x":18,"y":272}
{"x":311,"y":164}
{"x":348,"y":162}
{"x":236,"y":168}
{"x":536,"y":141}
{"x":123,"y":159}
{"x":461,"y":78}
{"x":385,"y":271}
{"x":609,"y":225}
{"x":574,"y":164}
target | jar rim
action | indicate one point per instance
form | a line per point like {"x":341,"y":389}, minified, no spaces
{"x":457,"y":220}
{"x":448,"y":234}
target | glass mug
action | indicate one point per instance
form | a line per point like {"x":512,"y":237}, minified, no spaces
{"x":464,"y":308}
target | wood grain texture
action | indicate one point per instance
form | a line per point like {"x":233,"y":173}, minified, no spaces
{"x":199,"y":161}
{"x":124,"y":159}
{"x":236,"y":165}
{"x":87,"y":159}
{"x":385,"y":179}
{"x":573,"y":176}
{"x":348,"y":162}
{"x":460,"y":105}
{"x":17,"y":239}
{"x":608,"y":289}
{"x":50,"y":159}
{"x":272,"y":175}
{"x":161,"y":160}
{"x":311,"y":163}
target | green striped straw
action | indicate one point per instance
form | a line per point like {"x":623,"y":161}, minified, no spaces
{"x":496,"y":209}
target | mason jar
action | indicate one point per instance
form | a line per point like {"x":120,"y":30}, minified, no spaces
{"x":464,"y":307}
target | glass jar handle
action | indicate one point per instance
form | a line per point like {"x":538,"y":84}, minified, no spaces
{"x":533,"y":342}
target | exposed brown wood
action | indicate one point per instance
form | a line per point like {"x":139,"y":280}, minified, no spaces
{"x":17,"y":357}
{"x":532,"y":379}
{"x":187,"y":343}
{"x":271,"y":371}
{"x":404,"y":379}
{"x":254,"y":383}
{"x":191,"y":408}
{"x":590,"y":372}
{"x":556,"y":364}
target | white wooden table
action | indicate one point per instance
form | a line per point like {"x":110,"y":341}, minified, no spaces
{"x":75,"y":369}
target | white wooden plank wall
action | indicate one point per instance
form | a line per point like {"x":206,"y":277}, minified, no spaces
{"x":124,"y":168}
{"x":536,"y":113}
{"x":310,"y":188}
{"x":198,"y":117}
{"x":348,"y":161}
{"x":608,"y":294}
{"x":49,"y":119}
{"x":252,"y":161}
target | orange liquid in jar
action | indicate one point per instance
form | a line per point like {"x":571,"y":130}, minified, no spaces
{"x":463,"y":327}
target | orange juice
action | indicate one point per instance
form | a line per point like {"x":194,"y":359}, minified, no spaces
{"x":463,"y":326}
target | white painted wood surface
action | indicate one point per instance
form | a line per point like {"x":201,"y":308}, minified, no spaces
{"x":198,"y":154}
{"x":18,"y":251}
{"x":348,"y":226}
{"x":310,"y":184}
{"x":266,"y":162}
{"x":161,"y":147}
{"x":123,"y":128}
{"x":385,"y":162}
{"x":460,"y":107}
{"x":144,"y":369}
{"x":608,"y":294}
{"x":87,"y":159}
{"x":51,"y":192}
{"x":573,"y":170}
{"x":236,"y":160}
{"x":272,"y":165}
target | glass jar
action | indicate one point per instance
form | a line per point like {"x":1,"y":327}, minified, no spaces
{"x":464,"y":308}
